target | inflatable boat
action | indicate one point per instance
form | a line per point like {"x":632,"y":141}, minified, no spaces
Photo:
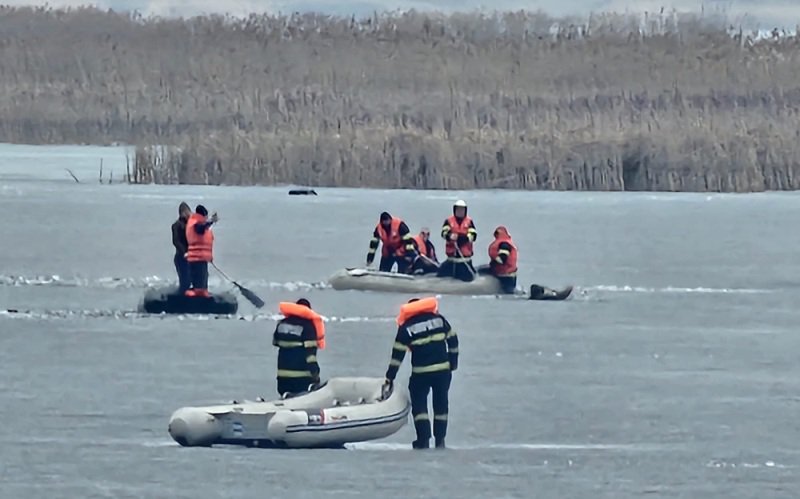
{"x":375,"y":280}
{"x":168,"y":300}
{"x":340,"y":411}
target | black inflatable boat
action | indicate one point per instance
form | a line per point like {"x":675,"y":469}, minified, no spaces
{"x":168,"y":300}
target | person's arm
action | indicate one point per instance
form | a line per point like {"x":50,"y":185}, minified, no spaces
{"x":179,"y":238}
{"x":446,"y":230}
{"x":452,"y":346}
{"x":373,"y":246}
{"x":200,"y":228}
{"x":503,"y":252}
{"x":472,"y":232}
{"x":310,"y":343}
{"x":275,"y":335}
{"x":407,"y":241}
{"x":401,"y":342}
{"x":431,"y":251}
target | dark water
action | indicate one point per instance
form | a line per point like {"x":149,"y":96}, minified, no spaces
{"x":672,"y":372}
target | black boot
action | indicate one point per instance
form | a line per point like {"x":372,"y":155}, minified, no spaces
{"x":440,"y":443}
{"x":420,"y":444}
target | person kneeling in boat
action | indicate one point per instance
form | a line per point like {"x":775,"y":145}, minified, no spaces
{"x":426,"y":261}
{"x":201,"y":249}
{"x":298,"y":336}
{"x":459,"y":232}
{"x":398,"y":246}
{"x":434,"y":356}
{"x":502,"y":260}
{"x":181,"y":247}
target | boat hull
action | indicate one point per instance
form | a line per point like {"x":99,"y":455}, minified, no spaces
{"x":390,"y":282}
{"x":168,"y":300}
{"x":341,"y":411}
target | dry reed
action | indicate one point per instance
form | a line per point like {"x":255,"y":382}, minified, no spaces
{"x":411,"y":100}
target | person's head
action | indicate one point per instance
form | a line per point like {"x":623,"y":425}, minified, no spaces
{"x":460,"y":209}
{"x":201,"y":210}
{"x":303,"y":302}
{"x":501,"y":231}
{"x":425,"y":233}
{"x":386,"y":219}
{"x":184,"y":211}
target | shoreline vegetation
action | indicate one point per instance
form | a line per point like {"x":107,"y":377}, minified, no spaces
{"x":664,"y":102}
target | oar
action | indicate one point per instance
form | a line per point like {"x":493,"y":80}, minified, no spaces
{"x":461,"y":255}
{"x":251,"y":297}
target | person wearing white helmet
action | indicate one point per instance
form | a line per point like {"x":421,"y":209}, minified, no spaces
{"x":459,"y":233}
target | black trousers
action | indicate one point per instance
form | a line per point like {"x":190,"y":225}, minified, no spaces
{"x":423,"y":266}
{"x":293,"y":385}
{"x":184,"y":276}
{"x":459,"y":270}
{"x":199,"y":272}
{"x":388,"y":261}
{"x":419,"y":385}
{"x":508,"y":283}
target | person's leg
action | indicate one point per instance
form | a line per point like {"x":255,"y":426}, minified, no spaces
{"x":418,"y":388}
{"x":441,"y":389}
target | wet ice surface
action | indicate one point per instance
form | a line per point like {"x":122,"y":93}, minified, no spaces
{"x":672,"y":372}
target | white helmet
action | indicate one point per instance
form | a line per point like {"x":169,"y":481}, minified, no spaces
{"x":460,"y":202}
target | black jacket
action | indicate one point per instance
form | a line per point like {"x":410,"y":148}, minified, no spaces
{"x":296,"y":340}
{"x":179,"y":237}
{"x":433,"y":345}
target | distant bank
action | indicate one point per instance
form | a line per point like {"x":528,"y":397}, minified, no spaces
{"x":521,"y":101}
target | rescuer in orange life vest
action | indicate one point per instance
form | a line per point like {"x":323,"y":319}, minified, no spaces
{"x":459,"y":232}
{"x":398,"y":246}
{"x":502,"y":260}
{"x":434,"y":357}
{"x":426,"y":261}
{"x":201,"y":244}
{"x":298,"y":336}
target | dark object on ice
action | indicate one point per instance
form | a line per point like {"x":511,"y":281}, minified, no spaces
{"x":543,"y":293}
{"x":302,"y":192}
{"x":171,"y":301}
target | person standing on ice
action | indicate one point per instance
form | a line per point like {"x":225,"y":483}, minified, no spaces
{"x":434,"y":357}
{"x":298,"y":336}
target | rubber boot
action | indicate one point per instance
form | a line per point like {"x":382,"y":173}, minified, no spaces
{"x":440,"y":443}
{"x":423,"y":429}
{"x":420,"y":444}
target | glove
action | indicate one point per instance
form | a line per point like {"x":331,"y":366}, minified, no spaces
{"x":388,"y":381}
{"x":453,"y":236}
{"x":315,"y":379}
{"x":214,"y":217}
{"x":369,"y":260}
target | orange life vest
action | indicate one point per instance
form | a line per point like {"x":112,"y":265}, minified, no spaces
{"x":296,"y":310}
{"x":421,"y":306}
{"x":461,"y":230}
{"x":422,"y":247}
{"x":200,"y":245}
{"x":508,"y":268}
{"x":392,"y":242}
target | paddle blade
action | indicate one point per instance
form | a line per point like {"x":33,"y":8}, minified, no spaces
{"x":251,"y":297}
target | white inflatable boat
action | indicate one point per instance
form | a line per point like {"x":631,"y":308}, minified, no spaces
{"x":375,"y":280}
{"x":340,"y":411}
